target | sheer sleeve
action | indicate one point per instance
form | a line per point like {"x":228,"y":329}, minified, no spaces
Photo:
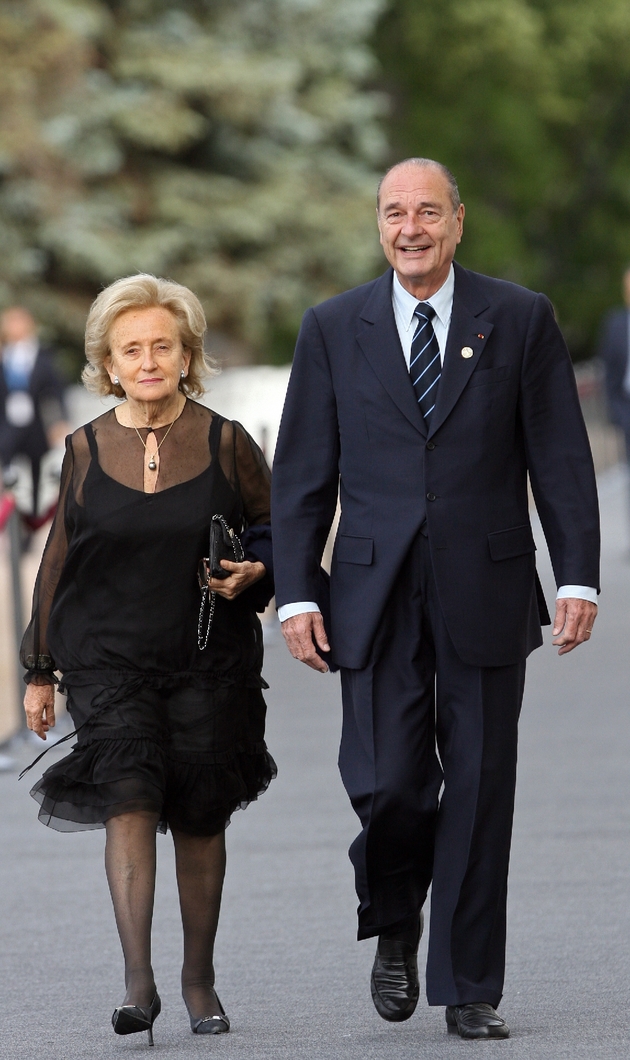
{"x":246,"y":469}
{"x":34,"y":653}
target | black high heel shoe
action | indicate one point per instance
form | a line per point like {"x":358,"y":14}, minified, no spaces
{"x":210,"y":1024}
{"x":130,"y":1019}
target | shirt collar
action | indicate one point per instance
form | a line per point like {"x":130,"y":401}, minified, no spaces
{"x":442,"y":301}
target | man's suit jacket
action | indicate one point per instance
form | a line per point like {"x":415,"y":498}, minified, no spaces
{"x":351,"y":419}
{"x":613,"y":350}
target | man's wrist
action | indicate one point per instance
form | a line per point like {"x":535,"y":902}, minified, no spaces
{"x":302,"y":607}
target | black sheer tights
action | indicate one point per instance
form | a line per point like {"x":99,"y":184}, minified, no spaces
{"x":130,"y":862}
{"x":130,"y":867}
{"x":200,"y":865}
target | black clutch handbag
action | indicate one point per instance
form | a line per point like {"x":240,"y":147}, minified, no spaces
{"x":223,"y":543}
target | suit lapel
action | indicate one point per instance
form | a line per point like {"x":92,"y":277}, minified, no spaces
{"x":377,"y":336}
{"x":467,"y":329}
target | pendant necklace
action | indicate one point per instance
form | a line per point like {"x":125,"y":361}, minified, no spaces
{"x":152,"y":466}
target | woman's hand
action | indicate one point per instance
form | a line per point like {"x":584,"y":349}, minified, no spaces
{"x":39,"y":704}
{"x":241,"y":577}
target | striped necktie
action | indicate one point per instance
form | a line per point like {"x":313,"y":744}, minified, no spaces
{"x":425,"y":367}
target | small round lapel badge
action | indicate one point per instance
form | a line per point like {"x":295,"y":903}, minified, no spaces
{"x":467,"y":352}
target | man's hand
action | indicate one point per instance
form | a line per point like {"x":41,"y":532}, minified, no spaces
{"x":302,"y":633}
{"x":573,"y":623}
{"x":39,"y":704}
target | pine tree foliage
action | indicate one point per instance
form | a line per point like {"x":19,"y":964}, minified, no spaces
{"x":229,"y":144}
{"x":527,"y":101}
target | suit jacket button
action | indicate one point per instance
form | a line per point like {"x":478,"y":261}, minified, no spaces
{"x":430,"y":496}
{"x":430,"y":445}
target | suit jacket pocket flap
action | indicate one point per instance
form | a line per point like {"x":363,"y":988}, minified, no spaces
{"x":354,"y":549}
{"x":489,"y":375}
{"x":506,"y":544}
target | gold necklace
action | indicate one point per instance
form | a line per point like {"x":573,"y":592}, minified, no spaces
{"x":152,"y":466}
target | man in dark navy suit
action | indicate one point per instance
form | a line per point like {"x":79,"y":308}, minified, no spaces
{"x":426,"y":398}
{"x":614,"y":350}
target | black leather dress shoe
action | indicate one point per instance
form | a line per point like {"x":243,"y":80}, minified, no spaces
{"x":477,"y":1020}
{"x":394,"y":984}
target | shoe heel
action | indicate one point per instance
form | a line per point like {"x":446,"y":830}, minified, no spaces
{"x":131,"y":1019}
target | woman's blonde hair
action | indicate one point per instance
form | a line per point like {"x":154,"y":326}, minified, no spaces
{"x":144,"y":291}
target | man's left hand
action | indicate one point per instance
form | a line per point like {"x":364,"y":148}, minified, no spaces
{"x":573,"y":623}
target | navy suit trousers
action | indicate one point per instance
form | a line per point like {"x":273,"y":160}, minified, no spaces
{"x":416,"y":718}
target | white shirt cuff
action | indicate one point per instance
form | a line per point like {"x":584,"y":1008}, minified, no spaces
{"x":577,"y":592}
{"x":301,"y":608}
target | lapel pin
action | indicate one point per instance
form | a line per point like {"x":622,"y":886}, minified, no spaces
{"x":481,"y":336}
{"x":467,"y":352}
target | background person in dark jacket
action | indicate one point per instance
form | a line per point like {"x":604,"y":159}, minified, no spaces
{"x":32,"y":405}
{"x":614,"y":351}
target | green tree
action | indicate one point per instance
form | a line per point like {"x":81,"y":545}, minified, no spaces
{"x":527,"y":101}
{"x":229,"y":144}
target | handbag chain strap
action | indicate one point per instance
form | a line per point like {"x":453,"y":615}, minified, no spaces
{"x":239,"y":555}
{"x":202,"y":642}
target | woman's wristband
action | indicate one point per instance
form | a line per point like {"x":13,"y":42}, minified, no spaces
{"x":40,"y":671}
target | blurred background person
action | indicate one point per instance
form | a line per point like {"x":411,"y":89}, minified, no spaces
{"x":33,"y":417}
{"x":614,"y":351}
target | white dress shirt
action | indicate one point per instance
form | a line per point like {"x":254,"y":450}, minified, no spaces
{"x":404,"y":305}
{"x":21,"y":356}
{"x":407,"y":322}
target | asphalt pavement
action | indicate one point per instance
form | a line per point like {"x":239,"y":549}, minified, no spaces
{"x":289,"y":971}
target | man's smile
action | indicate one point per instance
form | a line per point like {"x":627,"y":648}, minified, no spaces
{"x":413,"y":249}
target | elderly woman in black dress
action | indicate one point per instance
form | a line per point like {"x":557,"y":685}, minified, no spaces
{"x":169,"y":733}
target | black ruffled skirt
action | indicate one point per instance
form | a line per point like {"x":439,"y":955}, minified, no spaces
{"x":191,"y":754}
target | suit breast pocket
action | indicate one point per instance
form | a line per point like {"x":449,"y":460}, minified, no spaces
{"x":483,"y":376}
{"x":350,"y":549}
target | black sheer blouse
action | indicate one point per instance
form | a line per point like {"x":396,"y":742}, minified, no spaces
{"x":117,"y":589}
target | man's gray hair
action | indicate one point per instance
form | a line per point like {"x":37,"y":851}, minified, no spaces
{"x":446,"y":173}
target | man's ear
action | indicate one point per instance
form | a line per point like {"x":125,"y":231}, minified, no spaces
{"x":461,"y":213}
{"x":378,"y":225}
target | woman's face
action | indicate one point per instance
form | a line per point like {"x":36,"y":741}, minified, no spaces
{"x":147,"y":354}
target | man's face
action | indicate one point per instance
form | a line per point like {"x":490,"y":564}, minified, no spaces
{"x":16,"y":325}
{"x":626,"y":287}
{"x":418,"y":227}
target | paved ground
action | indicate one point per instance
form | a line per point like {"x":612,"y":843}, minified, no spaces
{"x":290,"y":973}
